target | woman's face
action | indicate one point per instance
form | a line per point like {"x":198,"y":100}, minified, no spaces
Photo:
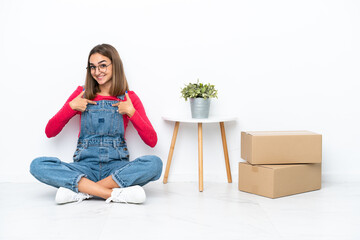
{"x":100,"y":68}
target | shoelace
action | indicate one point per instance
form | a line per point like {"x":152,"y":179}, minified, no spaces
{"x":81,"y":196}
{"x":111,"y":198}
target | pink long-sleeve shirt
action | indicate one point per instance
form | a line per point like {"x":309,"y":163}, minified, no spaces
{"x":139,"y":120}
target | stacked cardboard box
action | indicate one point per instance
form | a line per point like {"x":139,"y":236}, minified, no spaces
{"x":280,"y":163}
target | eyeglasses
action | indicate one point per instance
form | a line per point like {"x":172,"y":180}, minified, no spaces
{"x":101,"y":67}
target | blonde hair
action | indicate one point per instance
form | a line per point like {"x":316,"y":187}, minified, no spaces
{"x":119,"y":83}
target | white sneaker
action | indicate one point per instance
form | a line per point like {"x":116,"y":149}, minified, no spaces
{"x":133,"y":194}
{"x":65,"y":195}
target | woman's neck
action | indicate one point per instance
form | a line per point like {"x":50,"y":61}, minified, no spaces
{"x":105,"y":90}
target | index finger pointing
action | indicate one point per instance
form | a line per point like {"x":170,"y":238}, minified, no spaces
{"x":81,"y":94}
{"x":127,"y":96}
{"x":92,"y":102}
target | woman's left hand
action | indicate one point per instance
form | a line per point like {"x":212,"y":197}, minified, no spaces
{"x":125,"y":107}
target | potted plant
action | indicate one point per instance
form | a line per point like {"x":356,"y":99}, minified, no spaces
{"x":199,"y":95}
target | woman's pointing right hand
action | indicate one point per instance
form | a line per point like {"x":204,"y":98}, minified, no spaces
{"x":79,"y":103}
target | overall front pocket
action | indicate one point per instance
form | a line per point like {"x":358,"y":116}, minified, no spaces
{"x":102,"y":122}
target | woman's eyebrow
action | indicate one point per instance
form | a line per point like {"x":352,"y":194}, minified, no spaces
{"x":98,"y":62}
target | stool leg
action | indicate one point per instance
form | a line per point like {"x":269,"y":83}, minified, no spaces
{"x":171,"y":151}
{"x":200,"y":138}
{"x":226,"y":155}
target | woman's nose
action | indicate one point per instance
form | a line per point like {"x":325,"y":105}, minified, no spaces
{"x":97,"y":71}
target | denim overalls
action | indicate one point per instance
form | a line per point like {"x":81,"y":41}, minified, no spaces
{"x":101,"y":152}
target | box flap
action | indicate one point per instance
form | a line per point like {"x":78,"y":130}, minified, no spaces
{"x":273,"y":166}
{"x":280,"y":166}
{"x":280,"y":133}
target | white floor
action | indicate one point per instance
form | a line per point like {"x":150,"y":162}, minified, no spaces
{"x":179,"y":211}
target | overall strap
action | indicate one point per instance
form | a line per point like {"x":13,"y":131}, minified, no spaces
{"x":122,"y":97}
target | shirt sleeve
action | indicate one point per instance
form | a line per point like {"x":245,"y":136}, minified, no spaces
{"x":62,"y":117}
{"x":141,"y":122}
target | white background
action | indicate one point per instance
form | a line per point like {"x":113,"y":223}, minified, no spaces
{"x":278,"y":65}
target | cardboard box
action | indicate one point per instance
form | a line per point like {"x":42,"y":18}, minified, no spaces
{"x":275,"y":181}
{"x":281,"y":147}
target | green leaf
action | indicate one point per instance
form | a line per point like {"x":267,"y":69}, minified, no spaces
{"x":198,"y":90}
